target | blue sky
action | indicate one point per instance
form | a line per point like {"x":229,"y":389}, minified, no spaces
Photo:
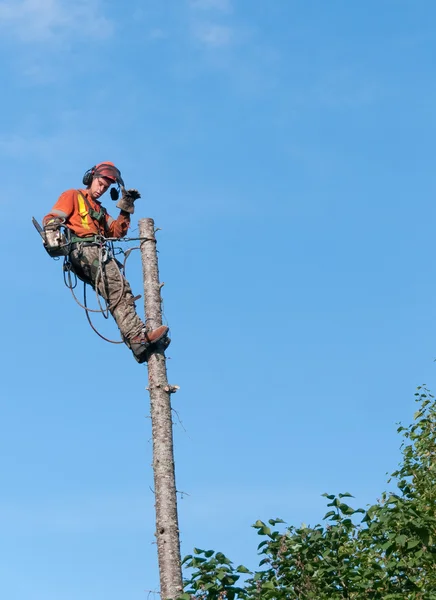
{"x":286,"y":150}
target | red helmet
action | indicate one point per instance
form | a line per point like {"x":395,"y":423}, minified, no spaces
{"x":109,"y":171}
{"x":104,"y":169}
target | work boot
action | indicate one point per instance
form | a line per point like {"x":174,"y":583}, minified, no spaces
{"x":140,"y":344}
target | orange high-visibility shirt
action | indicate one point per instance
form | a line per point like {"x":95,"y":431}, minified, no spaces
{"x":72,"y":207}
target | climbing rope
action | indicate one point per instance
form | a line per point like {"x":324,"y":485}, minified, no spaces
{"x":106,"y":252}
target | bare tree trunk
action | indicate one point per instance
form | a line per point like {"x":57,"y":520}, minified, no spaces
{"x":167,"y":528}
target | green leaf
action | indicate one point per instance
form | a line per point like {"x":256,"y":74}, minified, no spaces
{"x":208,"y":586}
{"x":387,"y":545}
{"x":221,"y":574}
{"x":329,"y":514}
{"x":401,"y":540}
{"x":346,"y":510}
{"x":268,"y":585}
{"x":329,"y":496}
{"x":242,"y":569}
{"x":222,"y":558}
{"x":264,"y":531}
{"x":259,"y":524}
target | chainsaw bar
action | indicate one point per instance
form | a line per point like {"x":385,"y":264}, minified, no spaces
{"x":39,"y":229}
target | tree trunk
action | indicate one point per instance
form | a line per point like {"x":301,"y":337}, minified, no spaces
{"x":167,"y":528}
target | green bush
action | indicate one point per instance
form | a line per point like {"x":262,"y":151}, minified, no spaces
{"x":386,"y":552}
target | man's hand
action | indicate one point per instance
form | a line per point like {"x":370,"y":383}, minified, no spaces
{"x":126,"y":203}
{"x":53,"y":224}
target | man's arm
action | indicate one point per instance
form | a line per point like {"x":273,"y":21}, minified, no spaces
{"x":118,"y":227}
{"x":63,"y":208}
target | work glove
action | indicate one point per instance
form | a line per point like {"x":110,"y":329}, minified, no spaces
{"x":126,"y":202}
{"x":53,"y":224}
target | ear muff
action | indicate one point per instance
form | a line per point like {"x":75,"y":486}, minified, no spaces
{"x":115,"y":194}
{"x":87,"y":178}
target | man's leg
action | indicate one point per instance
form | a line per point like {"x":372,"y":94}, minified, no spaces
{"x":113,"y":286}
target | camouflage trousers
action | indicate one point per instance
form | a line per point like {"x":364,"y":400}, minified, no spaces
{"x":104,"y":274}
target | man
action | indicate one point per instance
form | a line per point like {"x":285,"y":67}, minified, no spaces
{"x":82,"y":213}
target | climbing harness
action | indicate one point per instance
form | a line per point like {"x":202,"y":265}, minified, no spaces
{"x":106,"y":252}
{"x":64,"y":242}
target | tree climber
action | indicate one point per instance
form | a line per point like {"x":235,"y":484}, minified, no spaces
{"x":87,"y":222}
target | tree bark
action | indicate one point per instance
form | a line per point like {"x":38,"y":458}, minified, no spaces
{"x":167,"y":527}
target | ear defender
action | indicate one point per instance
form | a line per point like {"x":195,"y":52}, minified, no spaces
{"x":87,"y":178}
{"x":115,"y":194}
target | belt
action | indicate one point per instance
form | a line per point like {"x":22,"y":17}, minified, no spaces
{"x":82,"y":243}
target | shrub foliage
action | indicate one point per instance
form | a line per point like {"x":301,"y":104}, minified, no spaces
{"x":384,"y":552}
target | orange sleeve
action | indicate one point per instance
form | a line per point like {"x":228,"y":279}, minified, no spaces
{"x":63,"y":208}
{"x":118,"y":227}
